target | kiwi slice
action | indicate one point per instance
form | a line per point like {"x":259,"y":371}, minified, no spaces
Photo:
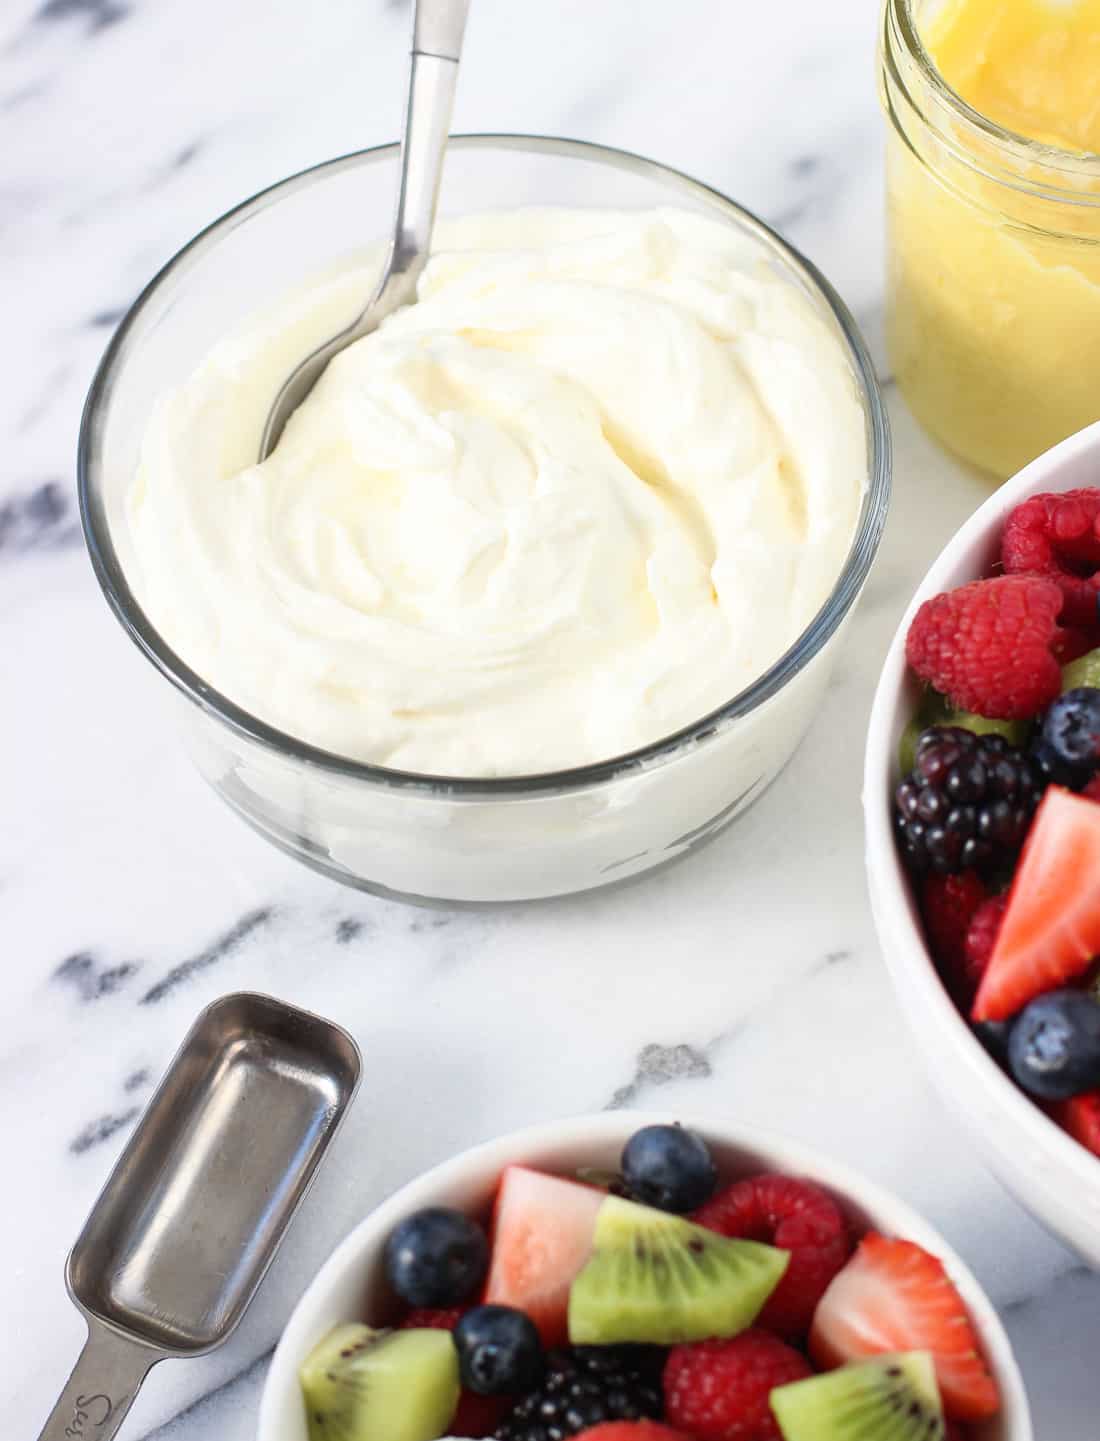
{"x":658,"y":1278}
{"x":1085,"y":670}
{"x":889,"y":1398}
{"x":364,"y":1385}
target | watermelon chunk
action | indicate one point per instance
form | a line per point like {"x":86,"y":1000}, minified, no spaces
{"x":1051,"y":928}
{"x":542,"y":1236}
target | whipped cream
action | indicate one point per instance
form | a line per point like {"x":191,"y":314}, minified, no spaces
{"x":588,"y":488}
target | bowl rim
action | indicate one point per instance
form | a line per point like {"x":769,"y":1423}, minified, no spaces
{"x":111,"y":575}
{"x":904,"y":948}
{"x":612,"y":1128}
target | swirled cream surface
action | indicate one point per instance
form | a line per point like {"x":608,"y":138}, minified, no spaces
{"x":591,"y":485}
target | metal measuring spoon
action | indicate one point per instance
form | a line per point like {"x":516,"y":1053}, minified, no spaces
{"x":199,"y":1200}
{"x":438,"y":26}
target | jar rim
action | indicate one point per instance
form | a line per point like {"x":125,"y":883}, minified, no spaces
{"x":1062,"y":169}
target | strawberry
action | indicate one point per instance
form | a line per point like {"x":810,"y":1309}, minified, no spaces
{"x":1051,"y":926}
{"x":894,"y":1296}
{"x":1080,"y":1116}
{"x":541,"y":1236}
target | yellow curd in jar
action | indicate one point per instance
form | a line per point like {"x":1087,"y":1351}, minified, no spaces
{"x":994,"y":313}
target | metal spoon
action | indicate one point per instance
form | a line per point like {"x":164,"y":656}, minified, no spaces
{"x":438,"y":27}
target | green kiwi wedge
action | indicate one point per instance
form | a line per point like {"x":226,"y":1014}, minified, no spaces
{"x":935,"y":710}
{"x":1085,"y":670}
{"x":889,"y":1398}
{"x":657,"y":1278}
{"x":364,"y":1385}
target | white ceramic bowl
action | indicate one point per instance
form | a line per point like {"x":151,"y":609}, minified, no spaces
{"x":350,"y":1284}
{"x":1048,"y":1172}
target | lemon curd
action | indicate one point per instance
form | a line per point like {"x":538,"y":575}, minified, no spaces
{"x":993,"y":204}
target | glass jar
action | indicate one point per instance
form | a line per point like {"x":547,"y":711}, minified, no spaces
{"x":993,"y":290}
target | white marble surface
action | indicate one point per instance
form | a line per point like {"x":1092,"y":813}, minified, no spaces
{"x":745,"y":982}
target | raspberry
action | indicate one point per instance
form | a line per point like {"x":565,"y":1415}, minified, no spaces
{"x":1059,"y":536}
{"x":633,"y":1431}
{"x":981,"y":937}
{"x":720,"y":1390}
{"x":990,"y":646}
{"x":798,"y":1217}
{"x":949,"y":905}
{"x":477,"y":1416}
{"x":425,"y":1318}
{"x":1074,"y":642}
{"x":967,"y":804}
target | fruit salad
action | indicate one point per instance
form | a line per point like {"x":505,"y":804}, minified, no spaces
{"x":663,"y":1302}
{"x":997,"y":813}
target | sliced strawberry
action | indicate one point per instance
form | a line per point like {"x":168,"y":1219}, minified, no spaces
{"x":894,"y":1296}
{"x":1081,"y":1118}
{"x":1051,"y":927}
{"x":542,"y":1236}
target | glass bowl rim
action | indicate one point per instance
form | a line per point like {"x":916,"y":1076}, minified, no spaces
{"x":112,"y":578}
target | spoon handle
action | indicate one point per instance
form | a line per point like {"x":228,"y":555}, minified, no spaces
{"x":103,"y":1384}
{"x":438,"y":27}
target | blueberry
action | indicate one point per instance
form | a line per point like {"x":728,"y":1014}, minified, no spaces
{"x":499,"y":1352}
{"x":668,"y":1167}
{"x":436,"y":1257}
{"x":1068,"y":748}
{"x":994,"y":1036}
{"x":1054,"y":1048}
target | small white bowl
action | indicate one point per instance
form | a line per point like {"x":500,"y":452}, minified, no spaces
{"x":1048,"y":1172}
{"x":350,"y":1285}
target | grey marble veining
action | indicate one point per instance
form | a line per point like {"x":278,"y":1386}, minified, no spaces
{"x":743,"y":982}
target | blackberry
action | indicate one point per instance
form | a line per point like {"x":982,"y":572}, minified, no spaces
{"x":585,"y":1386}
{"x":967,"y":803}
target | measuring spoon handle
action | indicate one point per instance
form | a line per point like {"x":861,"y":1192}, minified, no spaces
{"x":104,"y":1382}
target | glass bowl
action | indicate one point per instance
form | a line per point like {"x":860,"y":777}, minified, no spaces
{"x":440,"y":838}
